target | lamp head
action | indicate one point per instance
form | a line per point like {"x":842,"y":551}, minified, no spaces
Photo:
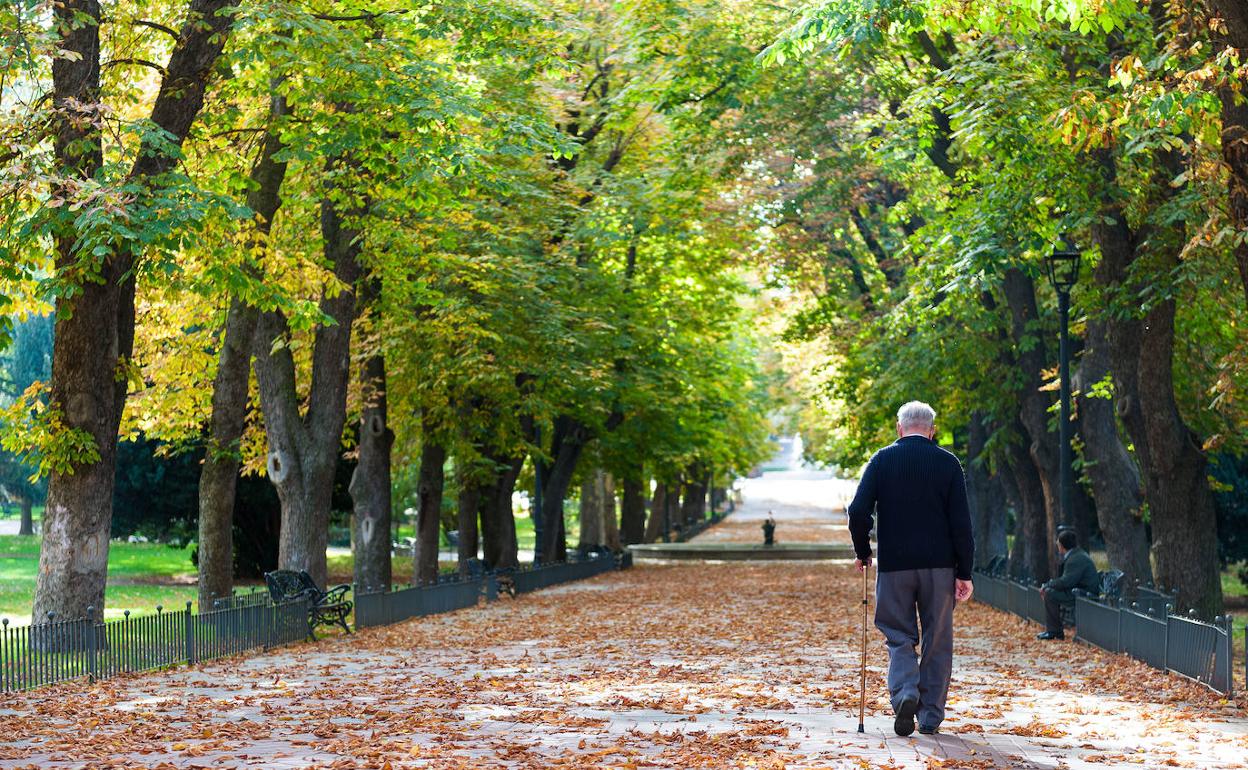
{"x":1063,"y":269}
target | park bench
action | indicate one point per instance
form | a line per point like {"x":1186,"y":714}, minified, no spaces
{"x":325,"y":608}
{"x":1110,"y":593}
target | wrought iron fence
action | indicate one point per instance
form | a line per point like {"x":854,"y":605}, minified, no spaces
{"x":56,"y":650}
{"x":1184,"y":645}
{"x":380,"y":608}
{"x":547,"y":575}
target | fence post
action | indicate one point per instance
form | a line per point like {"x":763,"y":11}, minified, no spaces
{"x":92,"y":644}
{"x":1165,"y":654}
{"x":189,"y":627}
{"x":1230,"y":655}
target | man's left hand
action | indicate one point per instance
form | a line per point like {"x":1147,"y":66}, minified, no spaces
{"x":962,"y":589}
{"x":863,"y":564}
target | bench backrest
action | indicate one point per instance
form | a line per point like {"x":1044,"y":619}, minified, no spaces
{"x":286,"y":584}
{"x":1111,"y":584}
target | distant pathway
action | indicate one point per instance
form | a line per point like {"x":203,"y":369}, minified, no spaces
{"x":745,"y":665}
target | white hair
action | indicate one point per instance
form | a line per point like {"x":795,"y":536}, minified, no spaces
{"x":916,"y":414}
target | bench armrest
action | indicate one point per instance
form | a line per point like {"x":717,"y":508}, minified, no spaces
{"x":336,"y":594}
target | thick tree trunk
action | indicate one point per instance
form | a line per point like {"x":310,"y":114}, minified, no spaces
{"x":693,"y":504}
{"x":1031,"y":356}
{"x":1032,"y":544}
{"x":95,"y":326}
{"x":592,"y":494}
{"x":984,"y":495}
{"x":26,"y":525}
{"x":657,"y":525}
{"x":304,"y":448}
{"x":219,"y":477}
{"x":610,"y":518}
{"x":1234,"y":15}
{"x":468,"y":508}
{"x":429,"y":510}
{"x":1172,"y":462}
{"x":1114,"y":476}
{"x":498,"y":519}
{"x":370,"y":482}
{"x":569,"y":441}
{"x":633,"y":512}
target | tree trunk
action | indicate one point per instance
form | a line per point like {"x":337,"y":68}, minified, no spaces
{"x":693,"y":506}
{"x":984,"y":495}
{"x":95,"y":326}
{"x":219,"y":477}
{"x":1032,"y":544}
{"x":304,"y":448}
{"x":370,"y":482}
{"x":468,"y":507}
{"x":1114,"y":476}
{"x":656,"y":526}
{"x":498,"y":518}
{"x":1031,"y":356}
{"x":27,"y":522}
{"x":569,"y":441}
{"x":610,"y":519}
{"x":428,"y":523}
{"x":1172,"y":463}
{"x":592,"y":493}
{"x":1234,"y":14}
{"x":633,"y":512}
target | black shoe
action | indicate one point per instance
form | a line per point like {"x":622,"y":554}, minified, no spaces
{"x":903,"y":725}
{"x":1047,"y":635}
{"x":928,"y":730}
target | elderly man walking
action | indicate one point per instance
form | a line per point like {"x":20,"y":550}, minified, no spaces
{"x":917,"y":492}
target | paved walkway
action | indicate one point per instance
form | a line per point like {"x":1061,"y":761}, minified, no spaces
{"x":750,"y":665}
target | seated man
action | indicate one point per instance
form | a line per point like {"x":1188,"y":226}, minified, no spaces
{"x":1078,"y":571}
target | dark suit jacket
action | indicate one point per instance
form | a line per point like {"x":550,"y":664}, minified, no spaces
{"x":1078,"y":571}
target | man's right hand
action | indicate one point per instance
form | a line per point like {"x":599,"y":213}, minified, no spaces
{"x":862,"y":564}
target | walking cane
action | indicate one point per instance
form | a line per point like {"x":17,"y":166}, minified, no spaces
{"x":862,"y":685}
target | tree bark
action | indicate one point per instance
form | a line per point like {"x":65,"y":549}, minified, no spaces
{"x":370,"y":482}
{"x":633,"y":512}
{"x":468,"y":508}
{"x":1114,"y":476}
{"x":219,"y":477}
{"x":657,"y":524}
{"x":569,"y":441}
{"x":610,"y":519}
{"x":304,"y":448}
{"x":693,"y":505}
{"x":26,"y":525}
{"x":592,"y":494}
{"x":984,"y":495}
{"x":1172,"y":463}
{"x":429,"y":509}
{"x":1234,"y":15}
{"x":1030,"y":556}
{"x":498,"y":519}
{"x":1031,"y":357}
{"x":95,"y":326}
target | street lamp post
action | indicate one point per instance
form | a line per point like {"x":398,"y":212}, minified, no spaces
{"x":1063,"y":268}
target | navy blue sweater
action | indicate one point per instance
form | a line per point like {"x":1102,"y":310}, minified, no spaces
{"x":918,"y":492}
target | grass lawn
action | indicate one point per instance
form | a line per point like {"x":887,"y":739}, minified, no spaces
{"x":140,"y":576}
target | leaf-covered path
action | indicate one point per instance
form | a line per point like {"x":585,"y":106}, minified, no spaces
{"x":691,"y":666}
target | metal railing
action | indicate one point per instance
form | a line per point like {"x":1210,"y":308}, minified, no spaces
{"x":546,"y":575}
{"x":381,"y":608}
{"x":56,"y":651}
{"x":60,"y":650}
{"x":1193,"y":648}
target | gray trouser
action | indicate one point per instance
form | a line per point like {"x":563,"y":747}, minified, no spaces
{"x":899,"y":597}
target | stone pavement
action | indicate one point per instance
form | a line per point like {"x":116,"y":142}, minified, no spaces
{"x":747,"y":665}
